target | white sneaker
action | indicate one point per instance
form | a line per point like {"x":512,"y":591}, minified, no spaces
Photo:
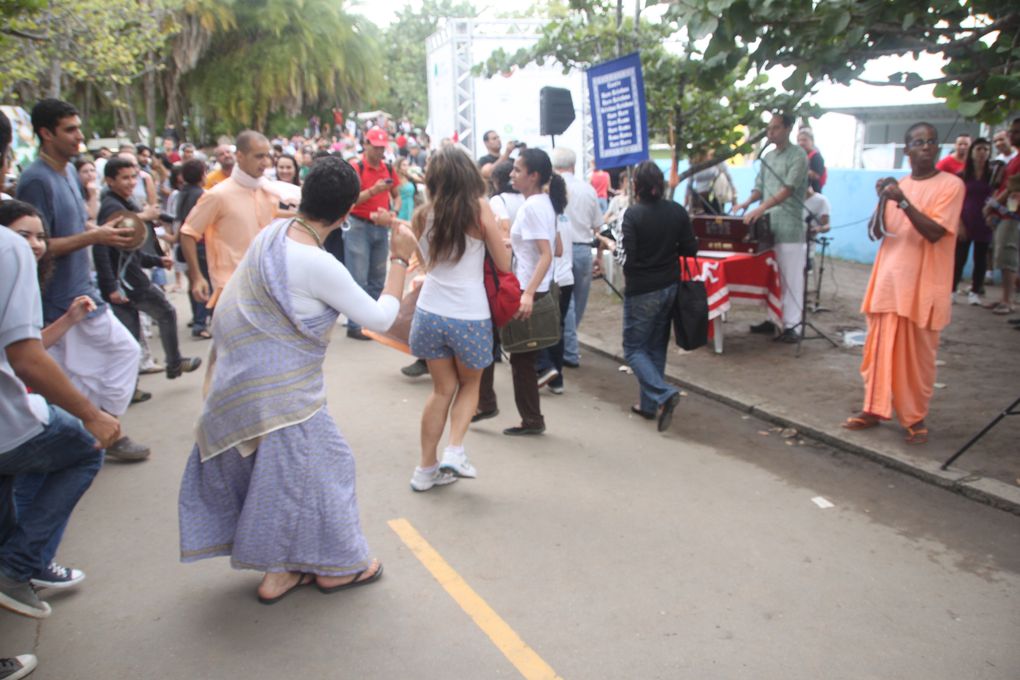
{"x":423,"y":481}
{"x":19,"y":667}
{"x":58,"y":577}
{"x":973,"y":299}
{"x":457,"y":463}
{"x":547,"y":377}
{"x":150,"y":366}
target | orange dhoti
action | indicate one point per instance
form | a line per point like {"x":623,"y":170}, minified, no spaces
{"x":898,"y":368}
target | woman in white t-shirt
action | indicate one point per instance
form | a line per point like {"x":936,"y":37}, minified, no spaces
{"x":452,"y":327}
{"x":505,"y":202}
{"x":533,"y":239}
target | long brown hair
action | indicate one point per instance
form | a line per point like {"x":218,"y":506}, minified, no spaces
{"x":454,"y":185}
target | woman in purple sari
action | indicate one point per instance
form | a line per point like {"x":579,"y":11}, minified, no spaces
{"x":270,"y":481}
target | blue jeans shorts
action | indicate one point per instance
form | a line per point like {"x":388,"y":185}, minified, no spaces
{"x":440,"y":337}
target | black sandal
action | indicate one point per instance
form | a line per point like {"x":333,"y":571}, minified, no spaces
{"x":644,"y":414}
{"x":354,"y":583}
{"x":305,"y":580}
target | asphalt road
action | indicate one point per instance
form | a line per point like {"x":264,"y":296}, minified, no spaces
{"x":599,"y":550}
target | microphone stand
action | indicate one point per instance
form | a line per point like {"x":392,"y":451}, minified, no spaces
{"x":824,"y":241}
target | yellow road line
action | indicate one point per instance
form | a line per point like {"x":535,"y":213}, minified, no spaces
{"x":523,"y":657}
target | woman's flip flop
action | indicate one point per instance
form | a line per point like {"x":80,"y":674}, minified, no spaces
{"x":353,"y":583}
{"x":305,"y":580}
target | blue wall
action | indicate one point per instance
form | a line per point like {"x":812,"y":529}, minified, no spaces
{"x":852,"y":196}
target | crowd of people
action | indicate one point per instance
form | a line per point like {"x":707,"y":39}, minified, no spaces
{"x":276,"y":239}
{"x":987,"y":229}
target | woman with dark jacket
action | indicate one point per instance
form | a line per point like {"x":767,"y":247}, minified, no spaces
{"x":656,"y":233}
{"x":977,"y":176}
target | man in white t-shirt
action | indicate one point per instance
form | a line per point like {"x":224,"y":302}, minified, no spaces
{"x":585,"y":217}
{"x":816,"y":215}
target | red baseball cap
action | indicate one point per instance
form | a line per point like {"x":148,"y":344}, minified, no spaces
{"x":377,"y":137}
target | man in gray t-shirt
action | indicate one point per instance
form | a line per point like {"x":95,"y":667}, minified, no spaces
{"x":60,"y":447}
{"x":98,"y":354}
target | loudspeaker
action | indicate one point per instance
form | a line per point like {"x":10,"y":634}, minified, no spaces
{"x":556,"y":110}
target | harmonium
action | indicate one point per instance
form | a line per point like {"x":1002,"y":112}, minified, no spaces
{"x":730,"y":234}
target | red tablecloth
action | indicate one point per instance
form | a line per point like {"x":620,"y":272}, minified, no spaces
{"x":743,"y":276}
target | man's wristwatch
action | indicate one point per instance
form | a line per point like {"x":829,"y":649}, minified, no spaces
{"x":904,"y":204}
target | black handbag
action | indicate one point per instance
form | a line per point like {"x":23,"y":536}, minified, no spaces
{"x":690,"y":311}
{"x":538,"y":331}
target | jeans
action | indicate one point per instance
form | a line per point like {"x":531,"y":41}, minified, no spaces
{"x":646,"y":325}
{"x":64,"y":454}
{"x":199,"y":312}
{"x":366,"y":251}
{"x":578,"y":301}
{"x":153,"y":302}
{"x":552,"y":357}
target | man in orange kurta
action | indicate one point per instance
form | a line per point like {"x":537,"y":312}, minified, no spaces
{"x":907,"y":302}
{"x":229,"y":216}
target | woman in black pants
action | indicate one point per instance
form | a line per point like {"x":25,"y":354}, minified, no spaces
{"x":533,"y":239}
{"x":977,"y":176}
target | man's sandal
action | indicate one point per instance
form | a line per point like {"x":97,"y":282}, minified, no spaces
{"x":860,"y":423}
{"x":917,"y":435}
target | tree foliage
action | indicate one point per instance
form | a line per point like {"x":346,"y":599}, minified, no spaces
{"x":707,"y":115}
{"x":283,"y":55}
{"x":404,"y":40}
{"x":835,"y":39}
{"x":102,"y":42}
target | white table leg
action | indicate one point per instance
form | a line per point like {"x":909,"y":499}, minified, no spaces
{"x":717,"y":326}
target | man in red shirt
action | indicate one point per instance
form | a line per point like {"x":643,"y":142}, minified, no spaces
{"x":955,"y":162}
{"x":1007,"y":240}
{"x":366,"y":244}
{"x":600,"y":181}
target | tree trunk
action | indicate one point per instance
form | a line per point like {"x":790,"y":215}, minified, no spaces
{"x":127,"y":96}
{"x":619,"y":26}
{"x":56,"y":75}
{"x":174,"y":98}
{"x":150,"y":100}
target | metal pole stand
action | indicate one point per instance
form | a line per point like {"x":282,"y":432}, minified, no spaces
{"x":817,"y":307}
{"x":1009,"y":411}
{"x":804,"y":323}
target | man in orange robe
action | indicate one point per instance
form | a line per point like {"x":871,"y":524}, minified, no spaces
{"x":908,"y":299}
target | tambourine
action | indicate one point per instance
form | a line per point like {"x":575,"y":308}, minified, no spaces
{"x":127,"y":219}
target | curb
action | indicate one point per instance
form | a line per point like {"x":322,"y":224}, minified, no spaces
{"x":988,"y":491}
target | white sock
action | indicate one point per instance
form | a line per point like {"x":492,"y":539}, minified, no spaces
{"x":455,"y":449}
{"x":429,"y":470}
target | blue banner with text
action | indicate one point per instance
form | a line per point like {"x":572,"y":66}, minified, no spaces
{"x":619,"y":118}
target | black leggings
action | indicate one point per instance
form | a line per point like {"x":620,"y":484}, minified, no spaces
{"x":980,"y":264}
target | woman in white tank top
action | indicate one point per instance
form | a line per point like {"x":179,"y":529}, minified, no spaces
{"x":451,"y":328}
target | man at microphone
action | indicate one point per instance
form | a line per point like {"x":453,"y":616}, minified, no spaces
{"x":781,"y":186}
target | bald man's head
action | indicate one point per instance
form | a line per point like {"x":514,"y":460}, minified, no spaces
{"x":246,"y":139}
{"x":253,"y":153}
